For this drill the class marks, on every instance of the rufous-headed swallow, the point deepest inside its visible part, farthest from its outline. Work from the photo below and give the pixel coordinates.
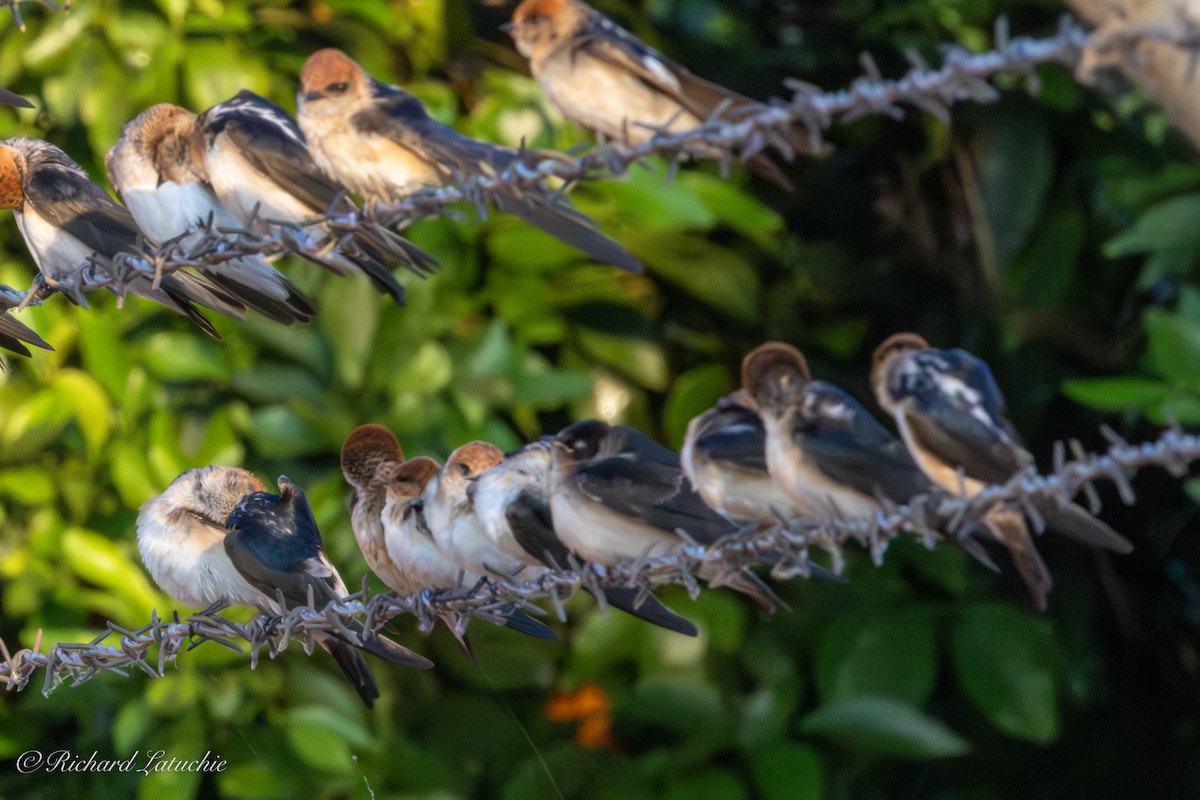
(390, 528)
(14, 334)
(512, 505)
(616, 494)
(152, 169)
(607, 80)
(183, 536)
(824, 449)
(260, 167)
(380, 141)
(67, 221)
(954, 420)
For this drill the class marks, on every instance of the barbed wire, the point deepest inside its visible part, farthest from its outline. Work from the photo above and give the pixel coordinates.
(963, 75)
(14, 6)
(786, 547)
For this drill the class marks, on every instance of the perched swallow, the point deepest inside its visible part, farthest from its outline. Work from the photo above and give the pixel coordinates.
(954, 420)
(616, 494)
(151, 166)
(14, 335)
(512, 503)
(390, 528)
(609, 81)
(67, 220)
(184, 537)
(14, 100)
(824, 449)
(260, 167)
(725, 458)
(379, 141)
(274, 543)
(450, 512)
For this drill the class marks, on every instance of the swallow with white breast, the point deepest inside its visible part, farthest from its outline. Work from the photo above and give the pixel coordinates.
(390, 528)
(379, 140)
(609, 81)
(512, 505)
(616, 494)
(825, 450)
(152, 169)
(954, 420)
(260, 167)
(67, 221)
(14, 334)
(184, 539)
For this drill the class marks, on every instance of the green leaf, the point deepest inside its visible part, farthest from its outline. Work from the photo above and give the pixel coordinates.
(93, 411)
(873, 651)
(1014, 197)
(1169, 225)
(786, 771)
(1004, 660)
(184, 356)
(886, 726)
(1117, 394)
(691, 394)
(1172, 346)
(714, 784)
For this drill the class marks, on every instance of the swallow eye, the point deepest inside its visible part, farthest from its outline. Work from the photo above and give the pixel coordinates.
(337, 88)
(463, 469)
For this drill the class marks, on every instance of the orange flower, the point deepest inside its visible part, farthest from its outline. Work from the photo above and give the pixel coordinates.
(591, 707)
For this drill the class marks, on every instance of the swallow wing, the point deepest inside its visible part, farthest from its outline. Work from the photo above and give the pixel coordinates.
(69, 200)
(734, 435)
(959, 414)
(269, 141)
(848, 445)
(529, 519)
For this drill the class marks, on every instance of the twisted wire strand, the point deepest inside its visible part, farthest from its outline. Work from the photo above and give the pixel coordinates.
(787, 546)
(726, 137)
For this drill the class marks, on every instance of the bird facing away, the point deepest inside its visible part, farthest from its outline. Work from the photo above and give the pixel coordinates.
(380, 141)
(152, 169)
(215, 536)
(259, 165)
(953, 418)
(14, 334)
(609, 81)
(67, 221)
(616, 494)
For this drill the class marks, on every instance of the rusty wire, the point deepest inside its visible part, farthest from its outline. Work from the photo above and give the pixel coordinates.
(787, 546)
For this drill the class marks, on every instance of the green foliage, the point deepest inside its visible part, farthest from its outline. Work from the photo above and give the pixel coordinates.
(1052, 234)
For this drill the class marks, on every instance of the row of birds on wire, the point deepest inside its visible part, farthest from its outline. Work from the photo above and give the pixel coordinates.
(784, 446)
(246, 166)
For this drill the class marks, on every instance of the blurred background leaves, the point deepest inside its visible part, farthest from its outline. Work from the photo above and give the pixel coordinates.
(1053, 233)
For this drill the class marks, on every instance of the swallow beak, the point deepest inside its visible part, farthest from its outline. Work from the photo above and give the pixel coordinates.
(508, 28)
(309, 97)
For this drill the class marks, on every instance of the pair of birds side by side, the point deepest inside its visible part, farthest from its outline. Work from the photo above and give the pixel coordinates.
(786, 446)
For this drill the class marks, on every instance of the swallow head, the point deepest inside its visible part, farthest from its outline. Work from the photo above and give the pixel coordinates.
(155, 147)
(11, 193)
(773, 374)
(887, 357)
(366, 449)
(410, 478)
(536, 26)
(471, 460)
(208, 495)
(328, 81)
(583, 440)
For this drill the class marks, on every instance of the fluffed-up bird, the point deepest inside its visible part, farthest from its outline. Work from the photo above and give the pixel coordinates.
(824, 449)
(260, 167)
(607, 80)
(379, 140)
(616, 494)
(725, 457)
(215, 536)
(152, 169)
(511, 502)
(14, 334)
(954, 420)
(67, 221)
(390, 527)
